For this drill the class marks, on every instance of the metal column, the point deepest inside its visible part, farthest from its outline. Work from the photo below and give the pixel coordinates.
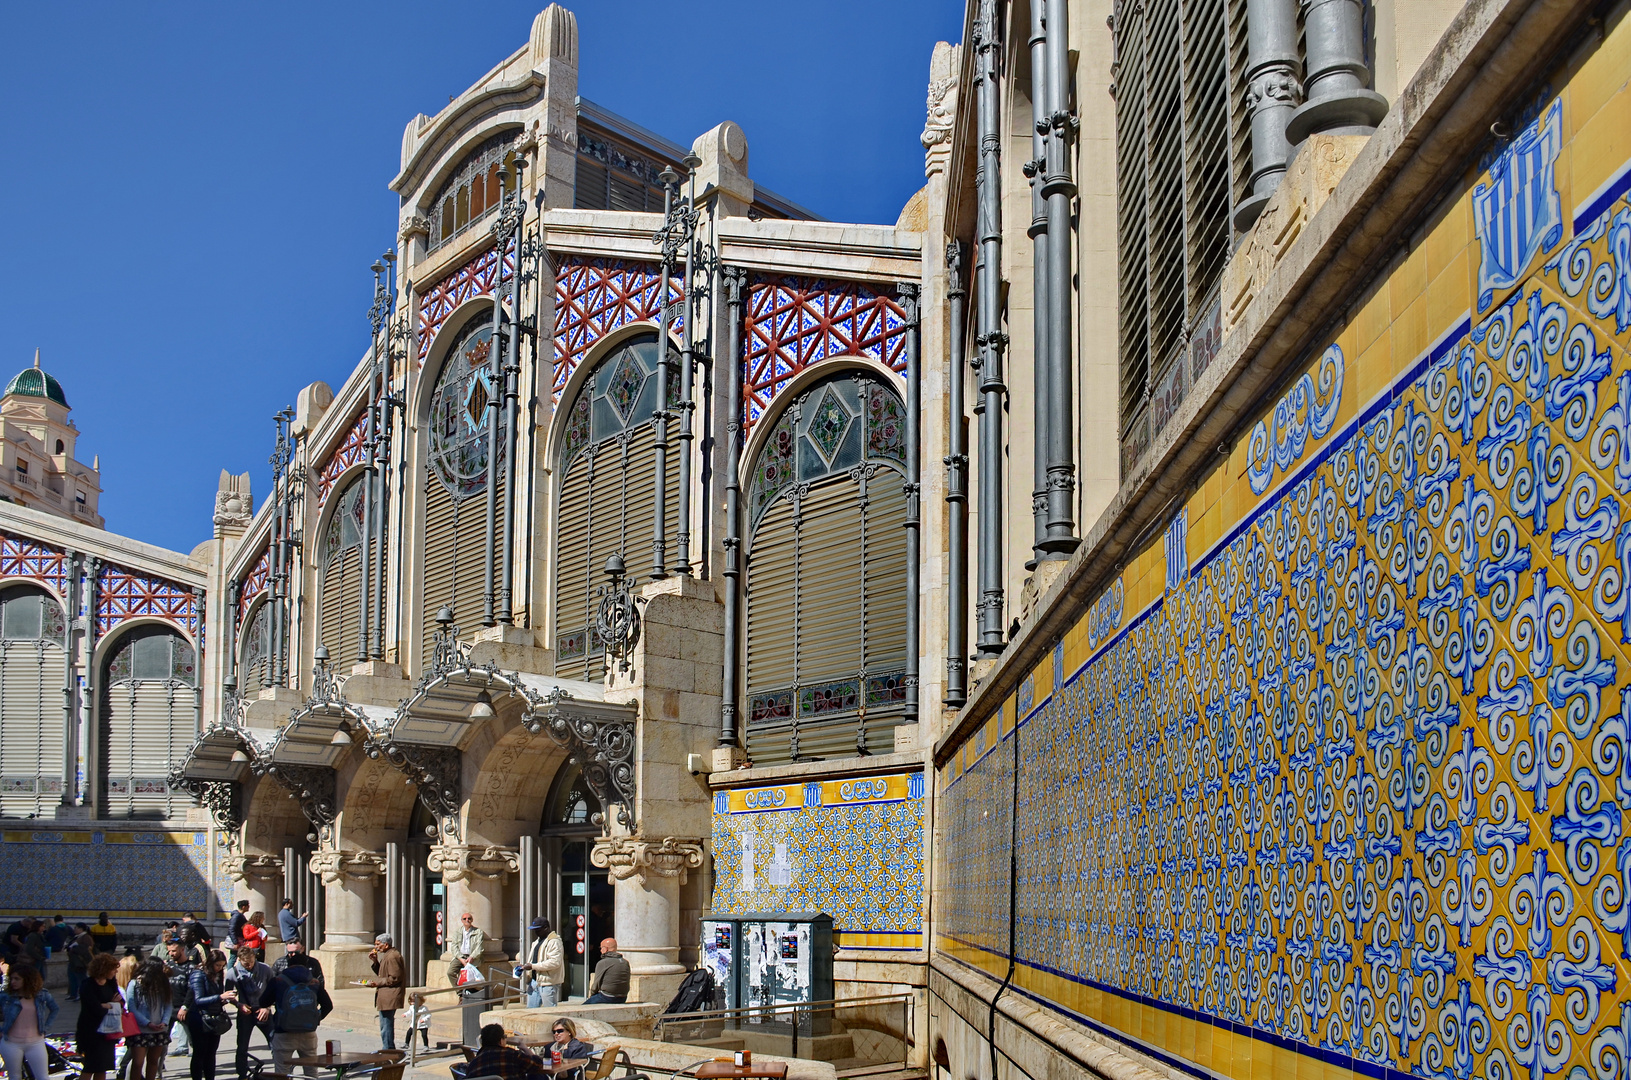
(1038, 232)
(1272, 92)
(956, 489)
(1059, 189)
(1339, 99)
(908, 294)
(735, 283)
(991, 340)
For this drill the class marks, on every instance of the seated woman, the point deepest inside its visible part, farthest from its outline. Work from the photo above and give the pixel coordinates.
(566, 1040)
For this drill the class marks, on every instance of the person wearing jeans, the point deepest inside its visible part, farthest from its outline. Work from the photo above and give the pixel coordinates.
(26, 1013)
(390, 987)
(248, 979)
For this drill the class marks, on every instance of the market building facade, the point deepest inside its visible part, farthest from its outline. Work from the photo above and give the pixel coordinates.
(1162, 597)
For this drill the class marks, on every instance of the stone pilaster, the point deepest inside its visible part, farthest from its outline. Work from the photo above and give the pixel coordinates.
(349, 879)
(474, 876)
(647, 874)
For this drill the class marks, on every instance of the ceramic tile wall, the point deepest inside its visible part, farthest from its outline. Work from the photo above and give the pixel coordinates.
(851, 848)
(141, 873)
(1346, 793)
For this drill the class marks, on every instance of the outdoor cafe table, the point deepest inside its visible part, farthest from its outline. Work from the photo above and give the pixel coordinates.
(726, 1070)
(341, 1062)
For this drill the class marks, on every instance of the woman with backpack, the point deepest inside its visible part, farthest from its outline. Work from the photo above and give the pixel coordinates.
(207, 1021)
(155, 1006)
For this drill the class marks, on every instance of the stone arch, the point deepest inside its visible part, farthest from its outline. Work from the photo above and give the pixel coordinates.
(510, 770)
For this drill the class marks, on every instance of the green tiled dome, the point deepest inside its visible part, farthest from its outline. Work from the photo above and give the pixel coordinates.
(32, 382)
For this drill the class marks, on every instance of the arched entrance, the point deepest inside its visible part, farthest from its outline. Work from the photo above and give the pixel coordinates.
(577, 893)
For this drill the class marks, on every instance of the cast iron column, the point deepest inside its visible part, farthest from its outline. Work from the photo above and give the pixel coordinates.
(1038, 232)
(511, 388)
(1339, 102)
(908, 294)
(1059, 189)
(659, 415)
(736, 280)
(689, 216)
(1272, 92)
(991, 341)
(956, 490)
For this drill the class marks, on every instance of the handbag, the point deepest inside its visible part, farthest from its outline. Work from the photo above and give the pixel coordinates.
(217, 1022)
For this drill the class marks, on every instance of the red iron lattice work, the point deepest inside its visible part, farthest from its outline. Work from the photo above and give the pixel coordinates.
(127, 594)
(792, 323)
(593, 297)
(342, 457)
(28, 559)
(255, 582)
(474, 278)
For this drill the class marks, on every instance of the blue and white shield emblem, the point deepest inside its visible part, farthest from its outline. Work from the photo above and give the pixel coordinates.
(1518, 214)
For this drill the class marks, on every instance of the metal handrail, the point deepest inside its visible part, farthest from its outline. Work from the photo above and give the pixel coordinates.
(760, 1010)
(417, 994)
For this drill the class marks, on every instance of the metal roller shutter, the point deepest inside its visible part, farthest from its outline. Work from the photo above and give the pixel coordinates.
(340, 605)
(455, 557)
(830, 622)
(772, 656)
(31, 726)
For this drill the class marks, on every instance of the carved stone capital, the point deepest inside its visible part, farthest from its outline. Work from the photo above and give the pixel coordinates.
(337, 866)
(461, 862)
(253, 867)
(415, 225)
(637, 857)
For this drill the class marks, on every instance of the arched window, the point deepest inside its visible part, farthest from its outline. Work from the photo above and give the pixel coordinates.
(255, 660)
(455, 520)
(340, 572)
(150, 709)
(473, 189)
(33, 665)
(826, 572)
(572, 806)
(607, 466)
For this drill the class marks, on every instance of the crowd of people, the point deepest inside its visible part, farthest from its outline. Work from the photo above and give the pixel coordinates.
(181, 996)
(184, 995)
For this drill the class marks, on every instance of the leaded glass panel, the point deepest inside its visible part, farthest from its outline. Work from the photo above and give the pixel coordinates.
(27, 615)
(459, 416)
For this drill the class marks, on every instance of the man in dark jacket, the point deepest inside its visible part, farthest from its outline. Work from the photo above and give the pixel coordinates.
(610, 984)
(298, 1007)
(390, 987)
(297, 955)
(249, 978)
(235, 929)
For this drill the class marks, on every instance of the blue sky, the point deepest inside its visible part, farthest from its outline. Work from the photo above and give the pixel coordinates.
(193, 192)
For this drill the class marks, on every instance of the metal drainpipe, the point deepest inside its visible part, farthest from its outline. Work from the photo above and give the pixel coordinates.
(495, 397)
(736, 280)
(991, 340)
(1059, 189)
(908, 294)
(956, 491)
(1038, 232)
(1338, 101)
(70, 737)
(687, 375)
(1272, 92)
(511, 386)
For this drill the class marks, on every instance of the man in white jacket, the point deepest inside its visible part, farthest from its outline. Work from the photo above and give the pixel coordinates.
(543, 968)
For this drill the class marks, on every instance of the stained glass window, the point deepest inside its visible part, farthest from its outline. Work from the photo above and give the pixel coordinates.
(255, 666)
(459, 416)
(826, 573)
(608, 480)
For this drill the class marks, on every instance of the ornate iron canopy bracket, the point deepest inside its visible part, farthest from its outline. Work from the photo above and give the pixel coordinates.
(433, 771)
(222, 798)
(602, 745)
(313, 786)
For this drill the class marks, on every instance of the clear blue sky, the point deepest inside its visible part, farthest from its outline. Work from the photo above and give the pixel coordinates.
(193, 192)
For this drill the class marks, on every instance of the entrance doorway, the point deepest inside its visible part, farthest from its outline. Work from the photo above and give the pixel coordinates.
(584, 897)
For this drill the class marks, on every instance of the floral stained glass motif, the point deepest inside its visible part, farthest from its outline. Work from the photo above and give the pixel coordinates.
(838, 423)
(459, 416)
(623, 389)
(344, 526)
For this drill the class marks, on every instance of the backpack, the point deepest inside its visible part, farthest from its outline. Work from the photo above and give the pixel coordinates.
(695, 994)
(298, 1009)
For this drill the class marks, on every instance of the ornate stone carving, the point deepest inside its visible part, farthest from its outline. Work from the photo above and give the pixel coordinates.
(233, 505)
(459, 862)
(253, 867)
(637, 857)
(336, 866)
(942, 109)
(414, 225)
(603, 746)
